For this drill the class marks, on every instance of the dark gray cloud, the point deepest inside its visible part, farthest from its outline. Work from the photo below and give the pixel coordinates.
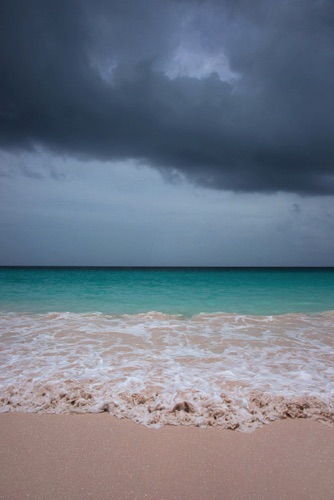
(92, 79)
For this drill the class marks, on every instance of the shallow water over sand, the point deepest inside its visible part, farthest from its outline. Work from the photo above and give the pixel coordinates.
(228, 370)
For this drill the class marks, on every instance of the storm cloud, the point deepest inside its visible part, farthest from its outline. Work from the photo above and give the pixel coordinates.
(233, 95)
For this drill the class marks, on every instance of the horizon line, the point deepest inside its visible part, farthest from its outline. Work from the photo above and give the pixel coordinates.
(20, 266)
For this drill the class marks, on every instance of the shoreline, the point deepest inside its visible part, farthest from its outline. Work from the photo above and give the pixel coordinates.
(99, 456)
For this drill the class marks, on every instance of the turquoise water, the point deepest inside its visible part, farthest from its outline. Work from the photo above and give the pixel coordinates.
(133, 342)
(185, 291)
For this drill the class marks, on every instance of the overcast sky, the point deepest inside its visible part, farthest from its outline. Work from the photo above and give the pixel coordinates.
(167, 132)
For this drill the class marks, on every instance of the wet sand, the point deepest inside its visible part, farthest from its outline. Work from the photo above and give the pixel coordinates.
(98, 456)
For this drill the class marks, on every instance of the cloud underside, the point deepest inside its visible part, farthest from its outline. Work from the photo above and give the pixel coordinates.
(91, 80)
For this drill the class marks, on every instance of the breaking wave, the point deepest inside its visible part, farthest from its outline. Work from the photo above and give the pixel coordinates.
(227, 370)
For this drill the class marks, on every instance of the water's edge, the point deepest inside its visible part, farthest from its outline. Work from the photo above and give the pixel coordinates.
(226, 370)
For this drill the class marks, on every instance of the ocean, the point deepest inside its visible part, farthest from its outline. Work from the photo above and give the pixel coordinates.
(229, 347)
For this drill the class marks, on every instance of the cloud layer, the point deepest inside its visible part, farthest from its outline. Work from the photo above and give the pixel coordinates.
(233, 95)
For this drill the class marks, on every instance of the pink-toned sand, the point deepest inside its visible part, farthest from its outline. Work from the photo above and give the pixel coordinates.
(97, 456)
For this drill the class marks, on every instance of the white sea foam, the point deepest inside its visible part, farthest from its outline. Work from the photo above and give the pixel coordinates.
(228, 370)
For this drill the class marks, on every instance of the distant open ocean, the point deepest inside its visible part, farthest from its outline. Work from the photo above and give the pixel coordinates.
(227, 347)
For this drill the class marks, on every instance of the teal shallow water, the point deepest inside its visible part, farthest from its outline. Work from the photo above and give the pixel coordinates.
(88, 340)
(185, 291)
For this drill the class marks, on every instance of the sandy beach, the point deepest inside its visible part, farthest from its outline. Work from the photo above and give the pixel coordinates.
(98, 456)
